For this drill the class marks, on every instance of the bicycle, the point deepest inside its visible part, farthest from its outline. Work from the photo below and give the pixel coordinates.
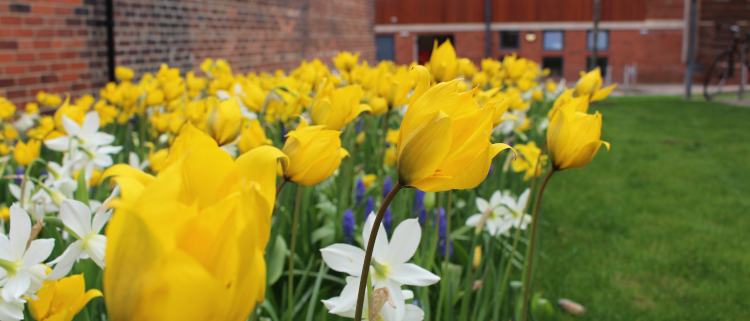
(722, 69)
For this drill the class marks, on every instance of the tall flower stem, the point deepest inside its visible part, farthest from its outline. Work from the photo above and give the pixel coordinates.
(295, 223)
(368, 252)
(532, 243)
(281, 186)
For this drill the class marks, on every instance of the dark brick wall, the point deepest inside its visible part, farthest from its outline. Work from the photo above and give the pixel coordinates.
(60, 45)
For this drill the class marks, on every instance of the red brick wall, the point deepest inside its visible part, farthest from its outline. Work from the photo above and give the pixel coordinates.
(657, 53)
(58, 46)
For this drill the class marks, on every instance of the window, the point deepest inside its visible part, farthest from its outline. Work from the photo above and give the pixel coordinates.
(384, 47)
(509, 39)
(552, 40)
(425, 44)
(602, 40)
(555, 65)
(601, 62)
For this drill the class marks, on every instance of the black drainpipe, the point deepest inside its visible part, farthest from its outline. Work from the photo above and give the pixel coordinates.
(110, 23)
(487, 19)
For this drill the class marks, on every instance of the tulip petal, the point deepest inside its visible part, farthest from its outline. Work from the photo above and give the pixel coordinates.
(259, 165)
(423, 82)
(584, 155)
(424, 150)
(126, 170)
(469, 177)
(603, 93)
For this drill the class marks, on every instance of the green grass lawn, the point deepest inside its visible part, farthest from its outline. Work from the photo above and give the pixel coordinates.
(659, 227)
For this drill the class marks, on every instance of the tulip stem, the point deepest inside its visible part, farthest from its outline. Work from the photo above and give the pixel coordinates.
(278, 188)
(532, 242)
(368, 252)
(295, 223)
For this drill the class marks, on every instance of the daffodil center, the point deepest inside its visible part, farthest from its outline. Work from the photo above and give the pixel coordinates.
(381, 270)
(12, 267)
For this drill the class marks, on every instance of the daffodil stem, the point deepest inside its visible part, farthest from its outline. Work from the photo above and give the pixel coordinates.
(295, 223)
(532, 243)
(368, 252)
(26, 178)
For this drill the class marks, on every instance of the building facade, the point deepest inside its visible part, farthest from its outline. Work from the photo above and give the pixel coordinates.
(644, 39)
(60, 45)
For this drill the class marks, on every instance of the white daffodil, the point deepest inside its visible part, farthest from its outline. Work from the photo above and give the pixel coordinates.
(89, 243)
(135, 162)
(22, 273)
(388, 266)
(516, 216)
(345, 304)
(11, 310)
(507, 126)
(37, 204)
(497, 216)
(506, 213)
(86, 136)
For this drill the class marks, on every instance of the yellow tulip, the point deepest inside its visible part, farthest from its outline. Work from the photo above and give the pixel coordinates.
(379, 106)
(107, 113)
(528, 160)
(5, 213)
(360, 138)
(173, 89)
(10, 133)
(537, 95)
(477, 257)
(345, 61)
(32, 108)
(394, 88)
(48, 100)
(73, 112)
(590, 84)
(369, 179)
(157, 159)
(4, 149)
(392, 137)
(223, 123)
(252, 136)
(314, 153)
(335, 108)
(466, 68)
(123, 73)
(550, 86)
(480, 79)
(25, 153)
(390, 156)
(515, 67)
(573, 137)
(491, 66)
(253, 96)
(188, 244)
(444, 140)
(443, 62)
(7, 108)
(61, 300)
(155, 97)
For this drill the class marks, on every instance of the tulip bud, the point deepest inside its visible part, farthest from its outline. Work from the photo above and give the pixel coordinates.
(429, 201)
(314, 154)
(123, 73)
(444, 140)
(223, 123)
(573, 137)
(252, 136)
(360, 138)
(477, 257)
(25, 153)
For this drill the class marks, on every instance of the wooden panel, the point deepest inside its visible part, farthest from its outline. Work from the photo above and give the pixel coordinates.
(472, 11)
